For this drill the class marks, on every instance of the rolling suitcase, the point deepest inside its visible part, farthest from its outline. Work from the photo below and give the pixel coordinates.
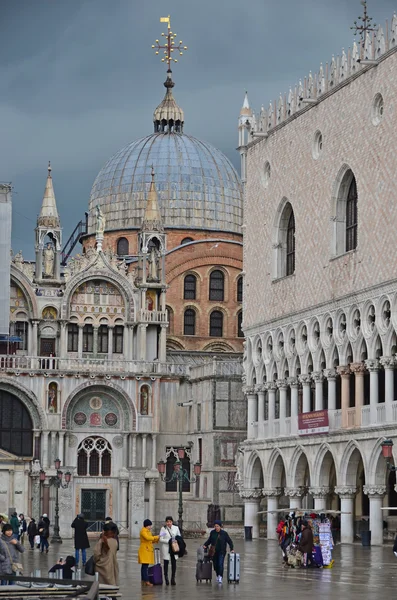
(156, 571)
(233, 568)
(204, 570)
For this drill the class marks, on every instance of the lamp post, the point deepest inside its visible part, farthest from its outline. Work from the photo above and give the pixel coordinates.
(180, 475)
(57, 482)
(387, 453)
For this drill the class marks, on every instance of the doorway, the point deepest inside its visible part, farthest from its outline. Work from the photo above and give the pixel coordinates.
(47, 347)
(93, 506)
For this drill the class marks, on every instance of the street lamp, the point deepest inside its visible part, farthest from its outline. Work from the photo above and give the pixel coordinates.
(180, 475)
(57, 482)
(387, 453)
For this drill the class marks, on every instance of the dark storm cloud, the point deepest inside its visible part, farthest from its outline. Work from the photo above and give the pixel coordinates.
(79, 80)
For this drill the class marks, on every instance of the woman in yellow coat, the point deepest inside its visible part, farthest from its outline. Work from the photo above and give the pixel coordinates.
(146, 550)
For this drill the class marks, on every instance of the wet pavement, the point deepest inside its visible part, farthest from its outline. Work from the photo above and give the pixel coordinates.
(358, 573)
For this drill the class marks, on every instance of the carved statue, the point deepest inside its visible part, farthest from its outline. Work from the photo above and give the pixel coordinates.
(153, 264)
(100, 221)
(239, 463)
(49, 257)
(18, 259)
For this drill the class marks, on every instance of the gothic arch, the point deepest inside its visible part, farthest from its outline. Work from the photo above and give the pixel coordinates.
(126, 404)
(28, 399)
(275, 470)
(281, 225)
(340, 192)
(377, 469)
(21, 281)
(322, 466)
(349, 464)
(299, 468)
(254, 472)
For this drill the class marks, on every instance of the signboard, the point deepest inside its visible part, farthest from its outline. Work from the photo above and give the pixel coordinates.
(313, 423)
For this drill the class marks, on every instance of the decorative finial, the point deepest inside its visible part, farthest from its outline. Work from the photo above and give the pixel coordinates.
(170, 44)
(49, 168)
(366, 24)
(152, 174)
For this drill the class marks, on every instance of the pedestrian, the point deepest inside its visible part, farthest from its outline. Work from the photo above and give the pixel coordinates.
(66, 566)
(146, 551)
(80, 538)
(170, 532)
(306, 543)
(109, 521)
(11, 548)
(22, 527)
(32, 532)
(105, 557)
(14, 522)
(44, 532)
(217, 542)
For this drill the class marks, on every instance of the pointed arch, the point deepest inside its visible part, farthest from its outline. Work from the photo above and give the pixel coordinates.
(284, 240)
(323, 463)
(349, 464)
(253, 473)
(299, 468)
(275, 470)
(377, 466)
(344, 212)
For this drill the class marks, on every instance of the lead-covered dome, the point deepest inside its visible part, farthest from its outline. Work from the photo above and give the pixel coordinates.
(198, 187)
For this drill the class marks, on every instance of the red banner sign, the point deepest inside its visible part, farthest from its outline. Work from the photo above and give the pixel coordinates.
(313, 422)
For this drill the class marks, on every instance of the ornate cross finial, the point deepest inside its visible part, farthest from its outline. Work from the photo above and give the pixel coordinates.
(170, 44)
(366, 24)
(49, 168)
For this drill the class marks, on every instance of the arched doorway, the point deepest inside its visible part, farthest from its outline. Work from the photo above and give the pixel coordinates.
(16, 427)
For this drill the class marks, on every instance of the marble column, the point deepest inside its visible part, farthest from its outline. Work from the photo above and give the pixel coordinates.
(305, 380)
(152, 499)
(389, 363)
(294, 385)
(80, 340)
(373, 368)
(347, 495)
(271, 394)
(283, 387)
(272, 496)
(144, 457)
(375, 494)
(124, 502)
(54, 447)
(36, 447)
(62, 351)
(252, 412)
(142, 341)
(318, 379)
(95, 329)
(133, 449)
(125, 449)
(260, 390)
(163, 343)
(45, 450)
(154, 452)
(295, 496)
(61, 446)
(34, 340)
(330, 374)
(251, 499)
(46, 498)
(320, 495)
(344, 372)
(110, 342)
(358, 369)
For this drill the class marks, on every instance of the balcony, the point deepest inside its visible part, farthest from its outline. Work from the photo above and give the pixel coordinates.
(152, 316)
(51, 365)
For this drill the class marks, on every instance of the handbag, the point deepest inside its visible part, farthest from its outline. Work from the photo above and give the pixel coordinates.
(15, 566)
(175, 547)
(211, 549)
(37, 539)
(90, 566)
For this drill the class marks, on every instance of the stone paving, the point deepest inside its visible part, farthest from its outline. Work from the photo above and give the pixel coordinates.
(359, 573)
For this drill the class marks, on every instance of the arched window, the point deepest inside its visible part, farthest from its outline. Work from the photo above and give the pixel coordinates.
(94, 457)
(123, 248)
(240, 289)
(21, 331)
(351, 217)
(284, 241)
(144, 400)
(16, 428)
(88, 338)
(186, 240)
(52, 397)
(216, 323)
(172, 482)
(290, 266)
(73, 337)
(217, 286)
(103, 339)
(239, 324)
(118, 339)
(189, 322)
(189, 287)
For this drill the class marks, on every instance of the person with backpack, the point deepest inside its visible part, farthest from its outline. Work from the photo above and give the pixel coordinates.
(168, 534)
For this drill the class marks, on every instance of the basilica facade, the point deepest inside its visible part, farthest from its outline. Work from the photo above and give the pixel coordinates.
(320, 292)
(121, 354)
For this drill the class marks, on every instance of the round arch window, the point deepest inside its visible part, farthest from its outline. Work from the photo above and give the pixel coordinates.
(378, 108)
(16, 428)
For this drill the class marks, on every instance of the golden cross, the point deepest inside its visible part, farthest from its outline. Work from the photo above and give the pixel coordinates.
(366, 25)
(170, 45)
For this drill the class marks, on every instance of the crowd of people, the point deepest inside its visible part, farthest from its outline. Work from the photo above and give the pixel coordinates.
(305, 540)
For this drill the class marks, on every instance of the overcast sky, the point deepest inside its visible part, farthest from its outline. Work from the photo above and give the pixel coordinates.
(79, 80)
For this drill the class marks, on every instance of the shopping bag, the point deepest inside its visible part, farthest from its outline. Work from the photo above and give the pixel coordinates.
(37, 539)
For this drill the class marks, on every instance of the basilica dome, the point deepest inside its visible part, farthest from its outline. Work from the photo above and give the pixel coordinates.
(198, 187)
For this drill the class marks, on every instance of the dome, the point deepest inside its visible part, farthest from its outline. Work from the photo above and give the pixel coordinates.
(198, 187)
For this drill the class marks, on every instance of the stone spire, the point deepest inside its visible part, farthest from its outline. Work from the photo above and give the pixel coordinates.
(48, 216)
(246, 109)
(168, 116)
(152, 220)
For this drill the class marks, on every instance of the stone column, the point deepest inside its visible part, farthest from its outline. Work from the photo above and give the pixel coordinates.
(344, 372)
(272, 496)
(347, 495)
(305, 380)
(282, 386)
(252, 499)
(61, 446)
(54, 447)
(260, 390)
(163, 343)
(295, 496)
(36, 447)
(318, 378)
(35, 478)
(271, 394)
(136, 502)
(124, 502)
(110, 342)
(358, 369)
(152, 499)
(133, 449)
(142, 341)
(320, 495)
(330, 374)
(294, 385)
(154, 452)
(389, 363)
(62, 351)
(46, 498)
(125, 449)
(45, 450)
(252, 411)
(95, 340)
(34, 340)
(80, 340)
(375, 494)
(144, 457)
(373, 368)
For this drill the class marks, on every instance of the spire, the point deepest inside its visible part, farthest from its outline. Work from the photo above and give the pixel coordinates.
(245, 109)
(48, 216)
(168, 116)
(152, 218)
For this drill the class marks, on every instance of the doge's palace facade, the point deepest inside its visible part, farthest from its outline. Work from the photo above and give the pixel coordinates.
(320, 291)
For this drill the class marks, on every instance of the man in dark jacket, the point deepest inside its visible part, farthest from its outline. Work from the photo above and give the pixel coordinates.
(218, 540)
(306, 543)
(14, 522)
(80, 538)
(43, 528)
(32, 532)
